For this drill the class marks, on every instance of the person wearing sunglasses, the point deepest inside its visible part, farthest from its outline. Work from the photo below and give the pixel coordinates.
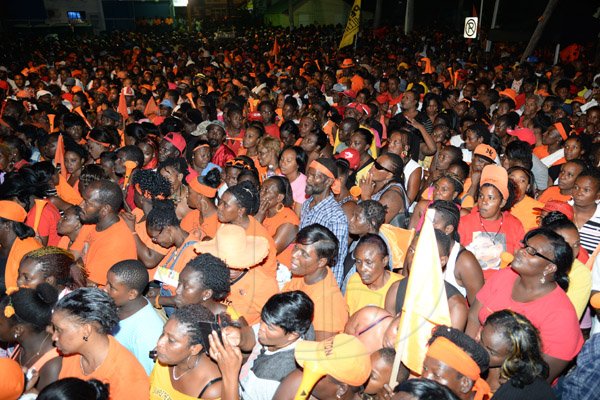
(535, 286)
(384, 184)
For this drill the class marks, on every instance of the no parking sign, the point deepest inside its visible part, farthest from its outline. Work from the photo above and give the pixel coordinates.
(470, 28)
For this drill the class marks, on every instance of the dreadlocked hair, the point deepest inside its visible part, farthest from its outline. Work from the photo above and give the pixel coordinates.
(152, 182)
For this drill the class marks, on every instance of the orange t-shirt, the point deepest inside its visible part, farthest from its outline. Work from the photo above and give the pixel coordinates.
(190, 221)
(120, 369)
(17, 251)
(250, 292)
(105, 248)
(541, 152)
(553, 193)
(331, 310)
(67, 192)
(286, 215)
(524, 211)
(64, 242)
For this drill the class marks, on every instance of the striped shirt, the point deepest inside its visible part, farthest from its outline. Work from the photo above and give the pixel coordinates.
(590, 232)
(329, 214)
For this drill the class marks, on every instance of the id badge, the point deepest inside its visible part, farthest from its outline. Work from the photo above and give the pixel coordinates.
(167, 276)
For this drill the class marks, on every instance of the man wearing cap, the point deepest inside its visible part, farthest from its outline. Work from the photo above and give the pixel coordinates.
(456, 361)
(347, 67)
(165, 108)
(110, 118)
(322, 208)
(221, 153)
(172, 146)
(105, 238)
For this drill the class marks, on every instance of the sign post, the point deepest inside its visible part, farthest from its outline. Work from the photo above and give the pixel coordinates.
(470, 31)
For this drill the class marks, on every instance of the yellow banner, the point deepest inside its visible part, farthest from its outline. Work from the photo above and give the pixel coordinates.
(351, 25)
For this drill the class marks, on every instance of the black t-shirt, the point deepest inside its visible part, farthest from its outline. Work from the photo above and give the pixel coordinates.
(539, 389)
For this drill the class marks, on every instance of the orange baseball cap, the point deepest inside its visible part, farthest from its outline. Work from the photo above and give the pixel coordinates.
(555, 205)
(497, 177)
(342, 356)
(485, 150)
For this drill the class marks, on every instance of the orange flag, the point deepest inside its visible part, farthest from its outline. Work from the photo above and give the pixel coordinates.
(276, 48)
(79, 112)
(122, 108)
(39, 207)
(59, 156)
(190, 97)
(425, 304)
(151, 108)
(51, 118)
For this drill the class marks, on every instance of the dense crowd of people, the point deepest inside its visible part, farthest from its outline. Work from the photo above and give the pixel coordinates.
(185, 218)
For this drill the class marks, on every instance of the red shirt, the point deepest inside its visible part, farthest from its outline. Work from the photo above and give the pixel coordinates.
(553, 314)
(222, 155)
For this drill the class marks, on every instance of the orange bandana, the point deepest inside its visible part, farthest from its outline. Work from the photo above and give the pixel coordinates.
(91, 139)
(204, 190)
(336, 187)
(450, 354)
(12, 211)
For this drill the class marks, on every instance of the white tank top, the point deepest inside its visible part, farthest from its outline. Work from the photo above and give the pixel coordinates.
(451, 266)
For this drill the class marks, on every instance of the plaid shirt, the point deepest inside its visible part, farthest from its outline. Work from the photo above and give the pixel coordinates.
(582, 382)
(329, 214)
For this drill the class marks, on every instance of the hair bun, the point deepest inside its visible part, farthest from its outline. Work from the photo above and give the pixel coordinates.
(47, 293)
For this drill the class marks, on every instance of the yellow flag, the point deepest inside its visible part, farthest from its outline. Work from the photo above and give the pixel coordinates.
(425, 305)
(351, 25)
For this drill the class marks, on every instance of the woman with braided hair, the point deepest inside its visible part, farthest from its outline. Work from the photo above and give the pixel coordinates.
(51, 265)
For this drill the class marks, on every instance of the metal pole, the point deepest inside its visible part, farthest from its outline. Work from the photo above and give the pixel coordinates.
(488, 45)
(409, 16)
(480, 17)
(556, 53)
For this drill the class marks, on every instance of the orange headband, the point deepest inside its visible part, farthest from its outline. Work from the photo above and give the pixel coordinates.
(91, 139)
(204, 190)
(450, 354)
(336, 187)
(12, 211)
(561, 129)
(201, 145)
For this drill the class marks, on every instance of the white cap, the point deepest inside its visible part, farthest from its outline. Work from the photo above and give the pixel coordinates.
(41, 93)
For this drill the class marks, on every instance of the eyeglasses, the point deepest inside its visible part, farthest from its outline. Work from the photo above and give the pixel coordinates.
(380, 167)
(534, 253)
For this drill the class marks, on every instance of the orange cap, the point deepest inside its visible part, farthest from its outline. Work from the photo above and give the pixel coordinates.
(485, 150)
(12, 211)
(496, 176)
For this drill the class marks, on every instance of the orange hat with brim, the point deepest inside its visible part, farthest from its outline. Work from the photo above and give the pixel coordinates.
(232, 245)
(12, 211)
(510, 93)
(497, 177)
(342, 356)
